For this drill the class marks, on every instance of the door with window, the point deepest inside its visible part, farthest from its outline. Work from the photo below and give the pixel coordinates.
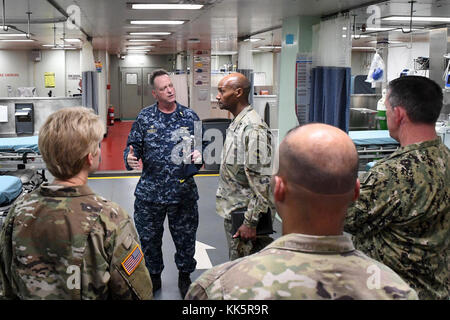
(135, 91)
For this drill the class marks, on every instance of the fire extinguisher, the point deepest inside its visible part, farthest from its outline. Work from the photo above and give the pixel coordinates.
(111, 116)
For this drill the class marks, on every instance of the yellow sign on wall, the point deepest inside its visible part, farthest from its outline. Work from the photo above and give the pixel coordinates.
(49, 79)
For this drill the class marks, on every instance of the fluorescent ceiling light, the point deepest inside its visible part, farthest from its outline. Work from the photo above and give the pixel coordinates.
(57, 45)
(165, 6)
(16, 40)
(252, 39)
(149, 33)
(269, 47)
(357, 36)
(139, 47)
(223, 53)
(417, 19)
(363, 48)
(13, 34)
(144, 40)
(72, 40)
(157, 21)
(63, 48)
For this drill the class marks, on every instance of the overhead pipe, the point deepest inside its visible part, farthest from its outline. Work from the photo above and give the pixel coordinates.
(354, 28)
(398, 28)
(4, 26)
(28, 24)
(35, 21)
(65, 14)
(54, 35)
(363, 5)
(247, 36)
(410, 18)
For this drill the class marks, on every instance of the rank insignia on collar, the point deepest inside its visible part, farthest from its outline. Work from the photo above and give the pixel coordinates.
(132, 261)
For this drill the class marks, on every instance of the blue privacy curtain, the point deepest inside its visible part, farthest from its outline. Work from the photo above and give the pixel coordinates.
(89, 97)
(330, 96)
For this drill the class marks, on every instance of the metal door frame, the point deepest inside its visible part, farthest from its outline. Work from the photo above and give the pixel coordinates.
(121, 69)
(141, 85)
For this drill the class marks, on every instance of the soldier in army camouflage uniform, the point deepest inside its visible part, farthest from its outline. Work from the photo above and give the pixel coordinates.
(62, 241)
(314, 259)
(164, 187)
(243, 184)
(402, 217)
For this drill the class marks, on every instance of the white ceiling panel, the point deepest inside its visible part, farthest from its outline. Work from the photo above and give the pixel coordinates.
(217, 25)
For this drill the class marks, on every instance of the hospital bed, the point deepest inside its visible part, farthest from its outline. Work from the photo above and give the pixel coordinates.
(22, 169)
(20, 153)
(372, 145)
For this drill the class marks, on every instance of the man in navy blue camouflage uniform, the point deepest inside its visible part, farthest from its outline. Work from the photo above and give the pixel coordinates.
(164, 187)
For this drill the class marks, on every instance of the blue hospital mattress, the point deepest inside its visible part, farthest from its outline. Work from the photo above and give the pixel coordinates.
(372, 137)
(10, 189)
(19, 144)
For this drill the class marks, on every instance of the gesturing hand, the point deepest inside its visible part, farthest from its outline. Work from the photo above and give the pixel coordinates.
(133, 162)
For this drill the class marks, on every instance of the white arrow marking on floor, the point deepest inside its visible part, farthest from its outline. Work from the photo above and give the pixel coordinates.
(201, 256)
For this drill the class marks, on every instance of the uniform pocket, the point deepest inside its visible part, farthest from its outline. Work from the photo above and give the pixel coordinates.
(237, 171)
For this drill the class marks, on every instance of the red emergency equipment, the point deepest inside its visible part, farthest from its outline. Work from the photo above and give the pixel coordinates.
(111, 116)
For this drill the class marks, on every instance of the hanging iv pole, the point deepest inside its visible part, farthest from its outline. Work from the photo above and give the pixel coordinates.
(28, 24)
(54, 35)
(354, 28)
(4, 26)
(410, 18)
(398, 28)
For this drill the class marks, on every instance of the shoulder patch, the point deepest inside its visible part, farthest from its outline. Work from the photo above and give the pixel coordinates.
(132, 261)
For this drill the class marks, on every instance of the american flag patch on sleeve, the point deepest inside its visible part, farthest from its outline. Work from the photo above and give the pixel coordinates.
(132, 261)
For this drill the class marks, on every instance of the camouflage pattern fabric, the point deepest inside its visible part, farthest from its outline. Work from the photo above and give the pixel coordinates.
(402, 216)
(153, 136)
(69, 243)
(298, 266)
(183, 223)
(238, 248)
(245, 174)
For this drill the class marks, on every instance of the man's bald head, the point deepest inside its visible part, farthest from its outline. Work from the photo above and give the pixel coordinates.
(319, 157)
(237, 80)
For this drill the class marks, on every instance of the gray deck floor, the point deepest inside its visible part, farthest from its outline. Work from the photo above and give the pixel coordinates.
(210, 231)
